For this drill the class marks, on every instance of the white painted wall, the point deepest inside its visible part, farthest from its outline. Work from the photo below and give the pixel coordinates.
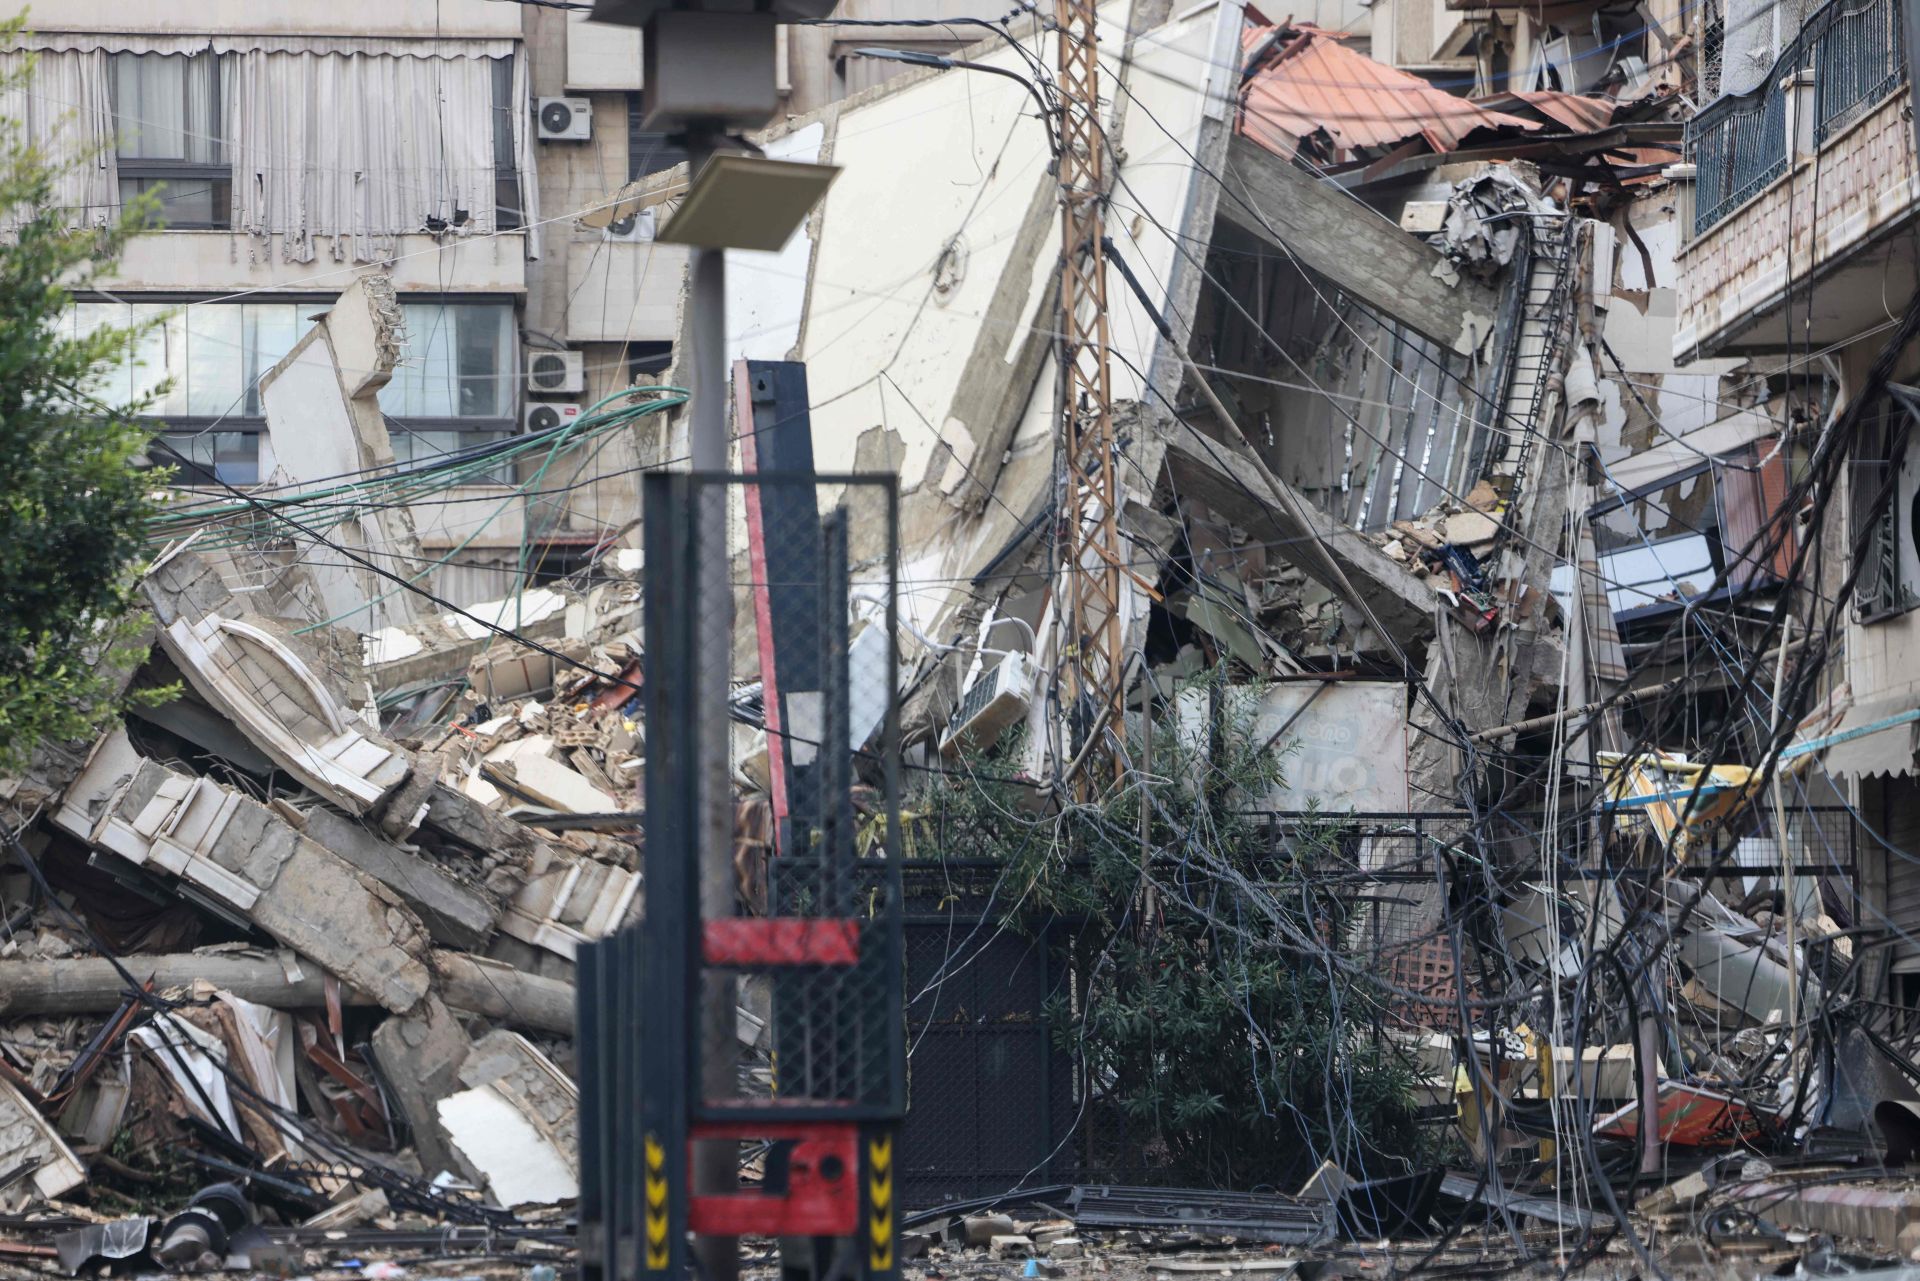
(221, 262)
(618, 291)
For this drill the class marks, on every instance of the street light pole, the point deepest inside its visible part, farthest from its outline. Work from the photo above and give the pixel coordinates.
(716, 1163)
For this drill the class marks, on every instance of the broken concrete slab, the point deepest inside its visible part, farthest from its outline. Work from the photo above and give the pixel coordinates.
(1879, 1215)
(570, 899)
(527, 767)
(1229, 483)
(321, 403)
(246, 856)
(1352, 246)
(455, 913)
(420, 1057)
(92, 985)
(516, 1124)
(261, 680)
(28, 1139)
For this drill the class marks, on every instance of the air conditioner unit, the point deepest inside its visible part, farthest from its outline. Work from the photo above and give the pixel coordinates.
(634, 226)
(556, 373)
(544, 416)
(1906, 521)
(990, 706)
(563, 119)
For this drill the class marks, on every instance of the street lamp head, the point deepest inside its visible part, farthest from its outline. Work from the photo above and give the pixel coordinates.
(914, 57)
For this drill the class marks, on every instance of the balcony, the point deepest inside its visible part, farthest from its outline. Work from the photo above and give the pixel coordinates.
(1799, 187)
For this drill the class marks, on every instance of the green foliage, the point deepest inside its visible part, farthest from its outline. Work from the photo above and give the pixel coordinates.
(72, 504)
(1218, 1018)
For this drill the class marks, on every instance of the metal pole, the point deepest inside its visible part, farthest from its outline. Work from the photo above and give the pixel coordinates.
(1790, 908)
(716, 1164)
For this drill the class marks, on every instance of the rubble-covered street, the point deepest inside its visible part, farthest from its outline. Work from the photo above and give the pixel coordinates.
(913, 640)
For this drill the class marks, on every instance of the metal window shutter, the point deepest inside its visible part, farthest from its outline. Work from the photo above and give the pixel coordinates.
(1902, 830)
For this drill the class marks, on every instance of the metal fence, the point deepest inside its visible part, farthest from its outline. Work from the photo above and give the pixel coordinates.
(1854, 51)
(990, 1097)
(997, 1101)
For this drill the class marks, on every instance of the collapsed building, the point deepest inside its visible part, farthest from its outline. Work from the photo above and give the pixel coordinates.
(1454, 432)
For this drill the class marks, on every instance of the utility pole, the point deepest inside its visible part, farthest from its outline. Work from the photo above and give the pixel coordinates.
(1092, 631)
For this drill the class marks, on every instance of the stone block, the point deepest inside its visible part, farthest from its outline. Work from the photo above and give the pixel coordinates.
(420, 1056)
(1010, 1245)
(455, 913)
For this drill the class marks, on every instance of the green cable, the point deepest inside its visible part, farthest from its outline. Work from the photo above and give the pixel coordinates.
(420, 483)
(410, 484)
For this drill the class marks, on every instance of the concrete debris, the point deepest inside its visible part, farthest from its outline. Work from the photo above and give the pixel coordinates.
(513, 1128)
(32, 1148)
(1465, 497)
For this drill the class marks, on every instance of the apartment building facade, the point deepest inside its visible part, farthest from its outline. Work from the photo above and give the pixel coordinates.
(448, 143)
(1801, 261)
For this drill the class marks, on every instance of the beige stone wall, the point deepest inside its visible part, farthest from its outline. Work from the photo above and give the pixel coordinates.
(1866, 180)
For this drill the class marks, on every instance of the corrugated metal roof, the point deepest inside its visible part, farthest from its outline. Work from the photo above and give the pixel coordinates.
(1316, 83)
(1578, 112)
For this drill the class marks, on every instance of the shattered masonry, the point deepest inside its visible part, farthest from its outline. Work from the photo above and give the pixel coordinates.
(1512, 410)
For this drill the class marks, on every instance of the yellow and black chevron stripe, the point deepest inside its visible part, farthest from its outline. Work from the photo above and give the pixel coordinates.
(656, 1252)
(880, 1203)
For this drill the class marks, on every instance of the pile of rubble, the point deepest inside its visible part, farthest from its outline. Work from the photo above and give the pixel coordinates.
(305, 985)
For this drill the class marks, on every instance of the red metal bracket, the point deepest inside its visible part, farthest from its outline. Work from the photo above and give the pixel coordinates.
(822, 1175)
(745, 942)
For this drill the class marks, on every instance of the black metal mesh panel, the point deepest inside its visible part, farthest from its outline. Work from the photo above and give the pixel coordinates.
(826, 694)
(990, 1091)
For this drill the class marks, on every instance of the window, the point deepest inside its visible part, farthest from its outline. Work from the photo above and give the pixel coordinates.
(506, 177)
(648, 360)
(1757, 536)
(648, 152)
(454, 389)
(458, 363)
(167, 112)
(211, 358)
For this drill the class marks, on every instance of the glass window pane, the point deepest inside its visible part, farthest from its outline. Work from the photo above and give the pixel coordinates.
(115, 385)
(485, 360)
(270, 329)
(167, 106)
(159, 356)
(185, 200)
(458, 362)
(216, 381)
(236, 457)
(190, 454)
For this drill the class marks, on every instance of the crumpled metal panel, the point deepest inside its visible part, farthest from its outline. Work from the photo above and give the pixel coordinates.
(1317, 83)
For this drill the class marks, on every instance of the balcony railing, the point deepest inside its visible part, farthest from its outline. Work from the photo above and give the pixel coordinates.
(1855, 54)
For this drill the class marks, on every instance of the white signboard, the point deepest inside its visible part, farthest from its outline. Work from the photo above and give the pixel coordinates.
(1346, 744)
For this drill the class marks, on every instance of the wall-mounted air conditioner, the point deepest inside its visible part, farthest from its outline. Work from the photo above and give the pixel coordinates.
(632, 227)
(545, 416)
(990, 706)
(563, 119)
(555, 373)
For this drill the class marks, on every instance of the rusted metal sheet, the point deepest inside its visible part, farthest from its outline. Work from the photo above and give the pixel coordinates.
(1752, 487)
(1306, 81)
